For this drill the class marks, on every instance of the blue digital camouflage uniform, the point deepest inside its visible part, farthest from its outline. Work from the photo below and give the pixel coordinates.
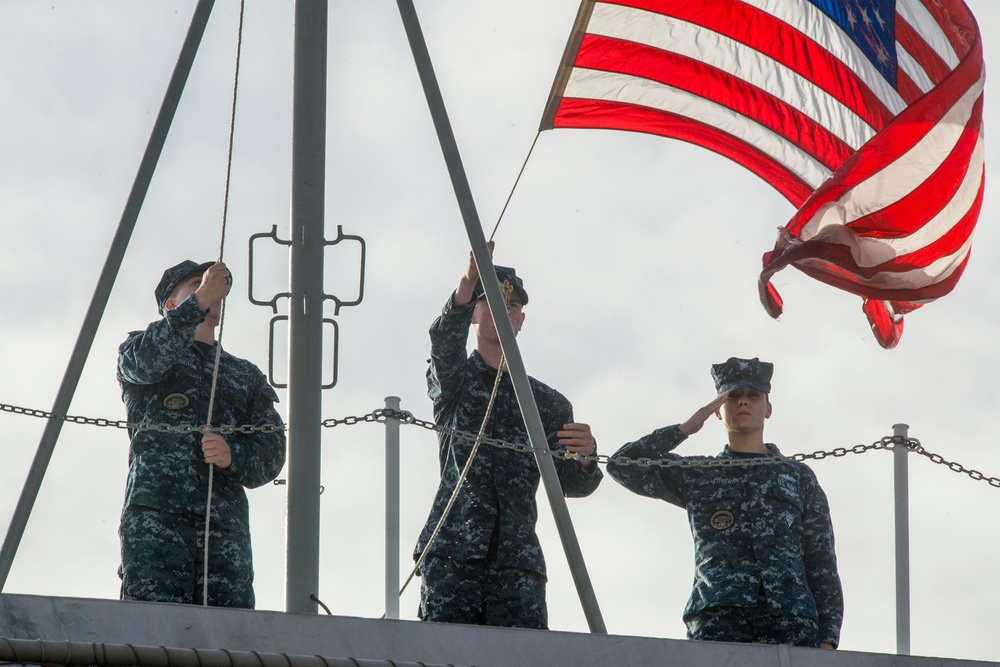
(763, 538)
(166, 378)
(492, 524)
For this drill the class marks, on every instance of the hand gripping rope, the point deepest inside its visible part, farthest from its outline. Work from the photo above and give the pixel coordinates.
(222, 307)
(507, 290)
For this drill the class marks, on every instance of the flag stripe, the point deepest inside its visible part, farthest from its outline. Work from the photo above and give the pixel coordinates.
(866, 257)
(809, 20)
(681, 72)
(871, 123)
(907, 133)
(760, 46)
(944, 188)
(917, 74)
(732, 56)
(933, 67)
(609, 86)
(907, 88)
(947, 25)
(900, 177)
(616, 116)
(928, 25)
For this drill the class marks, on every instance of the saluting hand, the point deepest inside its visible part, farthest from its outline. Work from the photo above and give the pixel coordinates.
(216, 450)
(577, 439)
(698, 419)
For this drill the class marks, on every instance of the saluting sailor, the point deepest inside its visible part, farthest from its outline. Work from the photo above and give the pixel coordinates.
(765, 566)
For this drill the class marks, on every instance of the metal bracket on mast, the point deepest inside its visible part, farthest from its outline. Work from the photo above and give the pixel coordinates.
(273, 302)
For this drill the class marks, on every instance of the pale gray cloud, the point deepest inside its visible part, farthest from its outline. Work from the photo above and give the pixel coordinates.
(641, 256)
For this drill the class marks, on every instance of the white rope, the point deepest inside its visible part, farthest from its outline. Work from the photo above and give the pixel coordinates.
(222, 306)
(461, 480)
(516, 181)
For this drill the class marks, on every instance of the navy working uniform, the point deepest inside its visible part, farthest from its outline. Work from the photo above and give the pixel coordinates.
(486, 566)
(763, 542)
(166, 378)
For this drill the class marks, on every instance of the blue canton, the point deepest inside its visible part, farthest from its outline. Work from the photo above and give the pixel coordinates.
(871, 24)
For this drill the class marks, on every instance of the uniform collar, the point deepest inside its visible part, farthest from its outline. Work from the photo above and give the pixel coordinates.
(480, 364)
(772, 450)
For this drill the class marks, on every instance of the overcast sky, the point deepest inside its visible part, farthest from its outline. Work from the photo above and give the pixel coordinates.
(640, 255)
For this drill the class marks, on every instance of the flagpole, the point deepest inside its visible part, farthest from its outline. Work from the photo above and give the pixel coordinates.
(495, 299)
(566, 64)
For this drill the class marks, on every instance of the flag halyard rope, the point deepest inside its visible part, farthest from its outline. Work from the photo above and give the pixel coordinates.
(222, 305)
(461, 481)
(516, 181)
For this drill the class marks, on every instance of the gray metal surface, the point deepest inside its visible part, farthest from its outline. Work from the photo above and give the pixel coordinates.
(392, 511)
(102, 293)
(100, 654)
(305, 316)
(154, 624)
(902, 510)
(498, 308)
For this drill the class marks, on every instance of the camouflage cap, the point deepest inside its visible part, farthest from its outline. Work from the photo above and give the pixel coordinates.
(736, 373)
(505, 274)
(173, 276)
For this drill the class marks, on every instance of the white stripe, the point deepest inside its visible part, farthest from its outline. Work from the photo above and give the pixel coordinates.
(868, 251)
(737, 60)
(614, 87)
(909, 64)
(914, 13)
(902, 176)
(809, 19)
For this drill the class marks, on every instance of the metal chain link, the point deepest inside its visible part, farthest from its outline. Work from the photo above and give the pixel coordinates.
(405, 417)
(887, 443)
(142, 426)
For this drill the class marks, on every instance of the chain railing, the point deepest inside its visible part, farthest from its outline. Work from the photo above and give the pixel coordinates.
(381, 415)
(141, 426)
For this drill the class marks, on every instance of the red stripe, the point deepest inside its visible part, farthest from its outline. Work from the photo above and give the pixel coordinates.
(617, 116)
(957, 23)
(927, 293)
(697, 78)
(774, 38)
(908, 90)
(926, 200)
(906, 130)
(840, 269)
(950, 242)
(928, 59)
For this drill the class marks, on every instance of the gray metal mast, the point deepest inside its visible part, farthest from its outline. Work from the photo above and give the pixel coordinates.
(901, 486)
(305, 317)
(495, 299)
(102, 293)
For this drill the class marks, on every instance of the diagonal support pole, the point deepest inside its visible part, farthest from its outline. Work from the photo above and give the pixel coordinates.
(102, 292)
(494, 297)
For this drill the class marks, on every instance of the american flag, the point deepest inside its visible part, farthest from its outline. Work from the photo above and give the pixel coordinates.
(867, 115)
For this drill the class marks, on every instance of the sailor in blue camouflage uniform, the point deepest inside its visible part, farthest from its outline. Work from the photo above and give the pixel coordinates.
(165, 373)
(765, 565)
(485, 567)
